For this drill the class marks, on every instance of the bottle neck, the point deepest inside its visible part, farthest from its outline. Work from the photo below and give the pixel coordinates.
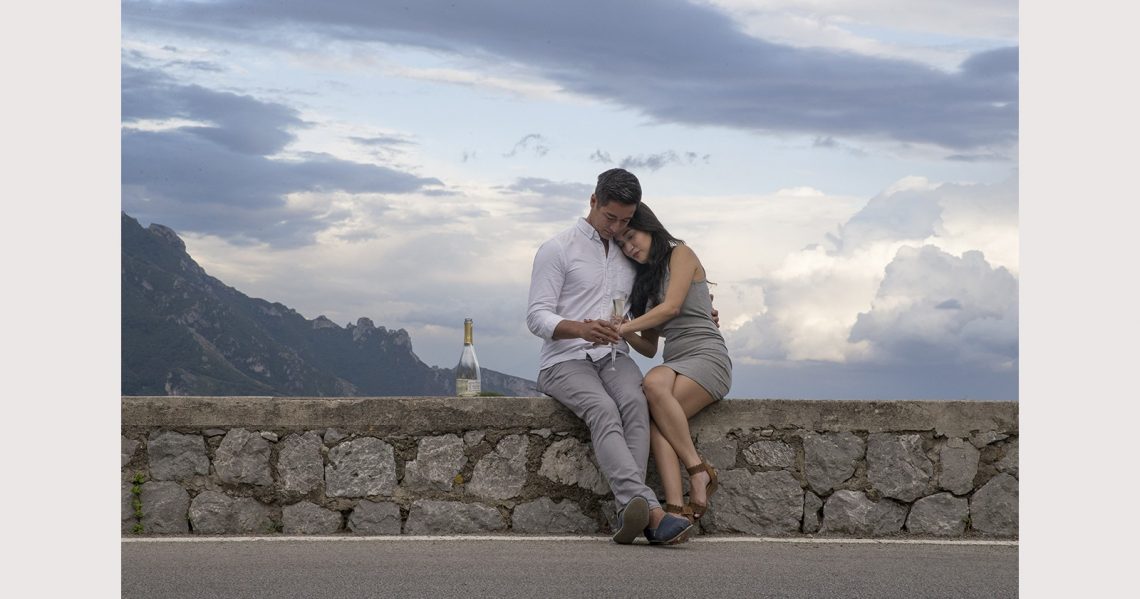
(468, 337)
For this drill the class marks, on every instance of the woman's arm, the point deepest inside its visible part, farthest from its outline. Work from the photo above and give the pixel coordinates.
(645, 342)
(683, 266)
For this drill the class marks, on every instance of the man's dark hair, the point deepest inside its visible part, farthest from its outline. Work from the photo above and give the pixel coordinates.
(618, 184)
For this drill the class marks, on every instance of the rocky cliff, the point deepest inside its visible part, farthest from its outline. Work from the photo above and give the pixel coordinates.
(185, 332)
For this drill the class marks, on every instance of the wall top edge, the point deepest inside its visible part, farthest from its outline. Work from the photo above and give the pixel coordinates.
(432, 415)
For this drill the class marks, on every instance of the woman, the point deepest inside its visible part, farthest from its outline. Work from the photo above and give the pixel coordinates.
(670, 298)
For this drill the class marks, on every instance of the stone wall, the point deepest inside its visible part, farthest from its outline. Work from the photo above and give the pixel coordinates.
(427, 465)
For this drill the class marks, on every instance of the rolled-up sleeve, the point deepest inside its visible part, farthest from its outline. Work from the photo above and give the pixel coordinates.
(546, 278)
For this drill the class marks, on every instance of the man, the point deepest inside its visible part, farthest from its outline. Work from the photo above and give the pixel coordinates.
(574, 278)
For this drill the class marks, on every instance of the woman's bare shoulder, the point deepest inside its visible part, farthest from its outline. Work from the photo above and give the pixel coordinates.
(683, 254)
(684, 257)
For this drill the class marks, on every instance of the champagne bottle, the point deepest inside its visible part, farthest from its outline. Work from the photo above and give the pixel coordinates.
(468, 379)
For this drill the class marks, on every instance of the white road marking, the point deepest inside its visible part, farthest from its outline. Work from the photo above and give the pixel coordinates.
(561, 539)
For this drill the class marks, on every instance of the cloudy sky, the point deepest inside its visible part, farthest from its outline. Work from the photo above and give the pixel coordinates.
(846, 171)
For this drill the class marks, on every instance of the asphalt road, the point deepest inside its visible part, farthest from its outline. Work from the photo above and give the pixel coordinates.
(446, 569)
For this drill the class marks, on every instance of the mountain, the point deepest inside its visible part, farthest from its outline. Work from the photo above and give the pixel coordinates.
(185, 332)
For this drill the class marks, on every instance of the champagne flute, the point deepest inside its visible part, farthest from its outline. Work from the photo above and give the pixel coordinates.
(616, 318)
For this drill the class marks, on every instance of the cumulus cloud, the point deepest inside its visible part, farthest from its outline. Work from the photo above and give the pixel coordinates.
(720, 75)
(384, 147)
(652, 162)
(830, 143)
(660, 160)
(532, 143)
(383, 141)
(223, 173)
(923, 273)
(952, 216)
(936, 308)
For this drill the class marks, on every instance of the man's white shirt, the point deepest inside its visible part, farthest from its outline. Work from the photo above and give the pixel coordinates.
(574, 278)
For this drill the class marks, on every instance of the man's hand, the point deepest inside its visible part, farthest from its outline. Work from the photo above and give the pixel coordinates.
(715, 313)
(598, 332)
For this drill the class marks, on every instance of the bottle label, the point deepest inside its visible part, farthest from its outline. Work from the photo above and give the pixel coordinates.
(467, 387)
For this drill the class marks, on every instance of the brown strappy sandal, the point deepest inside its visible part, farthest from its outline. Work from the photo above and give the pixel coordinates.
(699, 509)
(683, 511)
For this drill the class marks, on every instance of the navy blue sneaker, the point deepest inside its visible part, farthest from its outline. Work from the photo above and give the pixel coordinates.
(671, 531)
(632, 520)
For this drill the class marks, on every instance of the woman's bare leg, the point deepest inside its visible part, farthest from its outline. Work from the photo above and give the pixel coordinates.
(667, 466)
(673, 399)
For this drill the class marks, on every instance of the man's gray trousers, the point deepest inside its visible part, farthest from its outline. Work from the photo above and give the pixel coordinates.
(613, 406)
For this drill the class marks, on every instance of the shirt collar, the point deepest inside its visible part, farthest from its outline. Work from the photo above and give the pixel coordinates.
(587, 229)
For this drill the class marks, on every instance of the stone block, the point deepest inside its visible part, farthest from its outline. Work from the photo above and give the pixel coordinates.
(571, 462)
(897, 467)
(362, 467)
(128, 507)
(452, 517)
(472, 438)
(993, 508)
(941, 515)
(771, 454)
(717, 450)
(959, 466)
(546, 516)
(333, 436)
(251, 516)
(502, 473)
(831, 459)
(243, 458)
(212, 512)
(130, 446)
(853, 513)
(980, 440)
(609, 512)
(766, 503)
(812, 512)
(174, 456)
(1008, 461)
(165, 506)
(375, 518)
(307, 518)
(438, 460)
(300, 466)
(269, 436)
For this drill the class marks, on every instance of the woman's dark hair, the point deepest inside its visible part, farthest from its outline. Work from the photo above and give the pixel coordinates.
(650, 276)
